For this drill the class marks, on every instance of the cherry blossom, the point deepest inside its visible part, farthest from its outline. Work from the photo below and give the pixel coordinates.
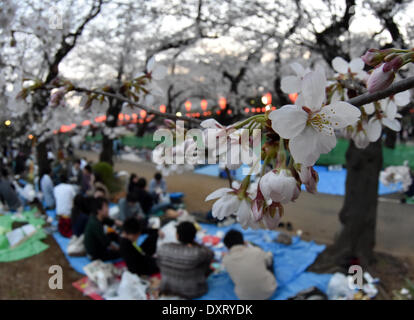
(309, 124)
(355, 67)
(292, 84)
(279, 186)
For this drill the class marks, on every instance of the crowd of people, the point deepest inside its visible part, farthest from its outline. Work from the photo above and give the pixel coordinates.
(82, 205)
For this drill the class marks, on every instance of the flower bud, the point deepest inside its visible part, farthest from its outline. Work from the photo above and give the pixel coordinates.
(374, 57)
(380, 79)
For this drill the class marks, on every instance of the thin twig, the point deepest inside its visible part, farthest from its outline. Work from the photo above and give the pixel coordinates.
(147, 109)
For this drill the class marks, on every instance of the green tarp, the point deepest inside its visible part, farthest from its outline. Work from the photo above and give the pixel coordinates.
(392, 157)
(28, 248)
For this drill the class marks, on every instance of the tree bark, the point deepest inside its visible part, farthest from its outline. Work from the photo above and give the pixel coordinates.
(41, 154)
(356, 240)
(112, 113)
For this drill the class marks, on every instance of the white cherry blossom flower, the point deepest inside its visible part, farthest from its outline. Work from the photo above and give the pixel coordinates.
(355, 67)
(309, 125)
(292, 84)
(228, 202)
(279, 186)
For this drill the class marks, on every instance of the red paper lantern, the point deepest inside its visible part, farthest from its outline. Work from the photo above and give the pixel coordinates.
(267, 99)
(246, 110)
(204, 104)
(163, 108)
(120, 116)
(143, 113)
(293, 97)
(86, 123)
(187, 105)
(222, 103)
(229, 111)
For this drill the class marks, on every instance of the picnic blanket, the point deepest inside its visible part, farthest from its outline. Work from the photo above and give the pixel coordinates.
(330, 181)
(29, 247)
(290, 263)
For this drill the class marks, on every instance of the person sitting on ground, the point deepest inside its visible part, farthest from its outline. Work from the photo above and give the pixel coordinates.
(129, 207)
(80, 215)
(76, 172)
(185, 265)
(64, 194)
(87, 180)
(98, 183)
(8, 194)
(139, 259)
(157, 185)
(46, 186)
(97, 244)
(133, 183)
(248, 267)
(146, 200)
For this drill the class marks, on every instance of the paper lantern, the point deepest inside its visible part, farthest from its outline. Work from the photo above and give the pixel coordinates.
(246, 110)
(267, 99)
(222, 103)
(204, 104)
(187, 105)
(143, 113)
(163, 108)
(293, 97)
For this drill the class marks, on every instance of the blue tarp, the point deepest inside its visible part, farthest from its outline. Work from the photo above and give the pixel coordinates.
(290, 263)
(330, 182)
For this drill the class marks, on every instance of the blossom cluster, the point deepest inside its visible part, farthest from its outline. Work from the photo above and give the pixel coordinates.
(297, 134)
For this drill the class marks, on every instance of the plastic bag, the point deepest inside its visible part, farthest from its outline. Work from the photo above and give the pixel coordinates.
(76, 246)
(132, 287)
(339, 289)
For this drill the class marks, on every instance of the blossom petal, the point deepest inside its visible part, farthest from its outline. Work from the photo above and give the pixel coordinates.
(391, 110)
(356, 65)
(369, 108)
(313, 89)
(340, 65)
(218, 193)
(159, 72)
(288, 121)
(151, 64)
(299, 70)
(374, 129)
(225, 206)
(307, 147)
(402, 98)
(393, 124)
(290, 84)
(341, 114)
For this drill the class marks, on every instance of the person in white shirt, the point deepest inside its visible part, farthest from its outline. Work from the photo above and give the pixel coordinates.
(64, 194)
(250, 268)
(46, 186)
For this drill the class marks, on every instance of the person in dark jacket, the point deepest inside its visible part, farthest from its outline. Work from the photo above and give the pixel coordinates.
(8, 194)
(97, 244)
(80, 214)
(139, 259)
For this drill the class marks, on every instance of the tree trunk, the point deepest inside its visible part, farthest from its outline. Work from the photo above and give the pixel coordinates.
(358, 216)
(112, 113)
(42, 160)
(107, 150)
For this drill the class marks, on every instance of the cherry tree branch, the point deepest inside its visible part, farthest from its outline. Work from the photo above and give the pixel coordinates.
(395, 88)
(133, 103)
